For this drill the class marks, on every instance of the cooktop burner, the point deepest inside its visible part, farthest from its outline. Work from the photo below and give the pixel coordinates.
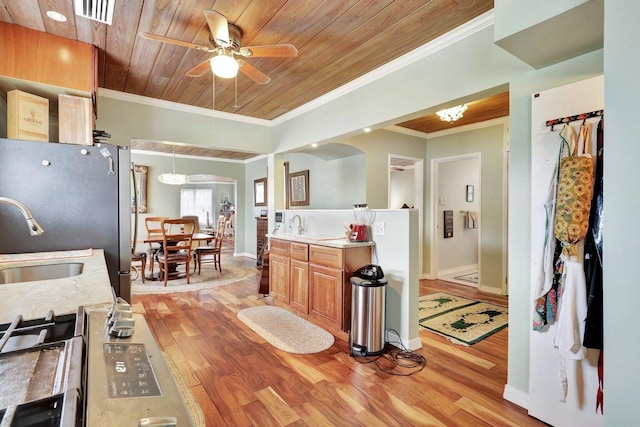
(41, 371)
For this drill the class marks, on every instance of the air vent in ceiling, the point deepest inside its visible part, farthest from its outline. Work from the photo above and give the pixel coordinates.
(98, 10)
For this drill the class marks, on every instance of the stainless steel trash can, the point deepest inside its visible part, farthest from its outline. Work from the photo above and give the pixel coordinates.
(367, 335)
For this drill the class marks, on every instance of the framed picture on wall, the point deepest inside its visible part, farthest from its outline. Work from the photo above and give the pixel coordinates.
(260, 192)
(299, 188)
(469, 193)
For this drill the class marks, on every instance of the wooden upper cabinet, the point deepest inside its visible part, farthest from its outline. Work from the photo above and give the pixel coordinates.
(44, 58)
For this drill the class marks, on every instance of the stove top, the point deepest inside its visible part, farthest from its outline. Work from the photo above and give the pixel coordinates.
(86, 369)
(41, 371)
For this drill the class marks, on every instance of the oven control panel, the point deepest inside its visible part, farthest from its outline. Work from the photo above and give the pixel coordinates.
(128, 379)
(129, 371)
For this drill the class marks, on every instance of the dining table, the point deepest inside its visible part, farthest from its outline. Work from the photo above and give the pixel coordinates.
(199, 237)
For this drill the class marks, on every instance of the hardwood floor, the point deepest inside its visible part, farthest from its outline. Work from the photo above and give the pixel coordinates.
(240, 380)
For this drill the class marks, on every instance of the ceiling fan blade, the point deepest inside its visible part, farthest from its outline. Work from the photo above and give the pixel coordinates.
(219, 27)
(169, 40)
(200, 69)
(253, 73)
(271, 51)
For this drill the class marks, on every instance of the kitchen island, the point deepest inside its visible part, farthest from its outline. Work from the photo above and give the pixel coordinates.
(34, 299)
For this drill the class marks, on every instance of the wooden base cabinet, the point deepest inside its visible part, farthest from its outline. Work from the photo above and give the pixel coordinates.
(314, 280)
(299, 285)
(325, 295)
(279, 277)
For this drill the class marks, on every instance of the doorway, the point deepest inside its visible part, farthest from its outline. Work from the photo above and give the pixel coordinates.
(456, 218)
(406, 185)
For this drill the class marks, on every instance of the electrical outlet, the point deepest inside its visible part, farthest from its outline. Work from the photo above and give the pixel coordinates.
(379, 229)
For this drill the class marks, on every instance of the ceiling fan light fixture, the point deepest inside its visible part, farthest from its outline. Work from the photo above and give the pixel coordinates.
(224, 65)
(452, 114)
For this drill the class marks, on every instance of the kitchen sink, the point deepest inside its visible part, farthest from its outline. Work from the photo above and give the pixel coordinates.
(32, 273)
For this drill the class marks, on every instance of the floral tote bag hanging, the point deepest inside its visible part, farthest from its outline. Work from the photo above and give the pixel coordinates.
(575, 185)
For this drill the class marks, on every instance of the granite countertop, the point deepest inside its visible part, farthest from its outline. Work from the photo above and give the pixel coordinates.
(333, 242)
(35, 299)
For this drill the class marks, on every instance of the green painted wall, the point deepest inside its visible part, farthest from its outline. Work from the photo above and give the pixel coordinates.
(377, 146)
(256, 169)
(127, 120)
(487, 142)
(514, 16)
(621, 175)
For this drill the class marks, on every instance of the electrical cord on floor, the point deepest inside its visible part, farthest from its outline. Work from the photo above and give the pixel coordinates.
(398, 356)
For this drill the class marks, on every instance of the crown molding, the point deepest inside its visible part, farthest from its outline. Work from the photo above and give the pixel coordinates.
(187, 156)
(175, 106)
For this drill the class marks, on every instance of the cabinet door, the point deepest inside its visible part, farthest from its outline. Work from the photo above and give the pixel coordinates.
(325, 294)
(299, 286)
(279, 277)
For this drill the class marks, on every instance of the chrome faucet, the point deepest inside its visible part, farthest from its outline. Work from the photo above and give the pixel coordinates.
(34, 227)
(300, 228)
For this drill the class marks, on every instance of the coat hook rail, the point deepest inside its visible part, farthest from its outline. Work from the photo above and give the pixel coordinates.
(583, 116)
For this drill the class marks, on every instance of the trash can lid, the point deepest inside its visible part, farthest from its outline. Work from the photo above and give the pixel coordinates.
(371, 283)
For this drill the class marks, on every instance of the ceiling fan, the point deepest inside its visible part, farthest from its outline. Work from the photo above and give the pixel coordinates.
(229, 55)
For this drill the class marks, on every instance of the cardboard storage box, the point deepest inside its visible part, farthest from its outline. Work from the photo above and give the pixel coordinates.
(75, 120)
(27, 116)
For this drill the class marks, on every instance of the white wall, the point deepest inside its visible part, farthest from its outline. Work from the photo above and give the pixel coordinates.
(402, 188)
(397, 257)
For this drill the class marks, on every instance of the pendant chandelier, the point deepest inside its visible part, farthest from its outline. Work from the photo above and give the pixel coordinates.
(452, 114)
(174, 178)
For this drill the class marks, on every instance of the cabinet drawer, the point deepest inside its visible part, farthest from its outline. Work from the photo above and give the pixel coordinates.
(300, 251)
(324, 255)
(279, 247)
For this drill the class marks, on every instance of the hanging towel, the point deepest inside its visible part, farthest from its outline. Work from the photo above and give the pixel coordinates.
(571, 319)
(472, 219)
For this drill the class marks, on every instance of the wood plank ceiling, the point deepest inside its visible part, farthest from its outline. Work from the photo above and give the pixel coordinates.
(338, 41)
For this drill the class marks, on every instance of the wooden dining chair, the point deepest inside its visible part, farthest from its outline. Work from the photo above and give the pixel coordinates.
(211, 253)
(153, 224)
(177, 236)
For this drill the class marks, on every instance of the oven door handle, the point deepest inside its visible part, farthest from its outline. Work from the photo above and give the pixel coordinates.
(158, 422)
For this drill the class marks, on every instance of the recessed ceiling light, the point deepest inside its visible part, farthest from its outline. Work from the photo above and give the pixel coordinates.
(367, 130)
(56, 16)
(314, 145)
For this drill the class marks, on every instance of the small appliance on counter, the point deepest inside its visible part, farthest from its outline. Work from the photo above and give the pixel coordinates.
(359, 230)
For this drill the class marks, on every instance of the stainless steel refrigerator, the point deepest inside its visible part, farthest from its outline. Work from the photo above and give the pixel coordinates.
(80, 195)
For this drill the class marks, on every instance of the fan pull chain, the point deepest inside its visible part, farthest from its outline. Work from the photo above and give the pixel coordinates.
(213, 92)
(235, 104)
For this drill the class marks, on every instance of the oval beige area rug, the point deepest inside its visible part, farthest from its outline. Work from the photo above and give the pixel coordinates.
(286, 331)
(209, 278)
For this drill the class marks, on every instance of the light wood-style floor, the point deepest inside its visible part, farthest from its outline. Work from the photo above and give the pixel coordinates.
(240, 380)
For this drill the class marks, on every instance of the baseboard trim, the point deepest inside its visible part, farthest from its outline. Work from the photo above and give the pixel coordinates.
(516, 396)
(491, 290)
(456, 270)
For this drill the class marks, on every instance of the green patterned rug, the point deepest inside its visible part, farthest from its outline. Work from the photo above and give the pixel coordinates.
(462, 320)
